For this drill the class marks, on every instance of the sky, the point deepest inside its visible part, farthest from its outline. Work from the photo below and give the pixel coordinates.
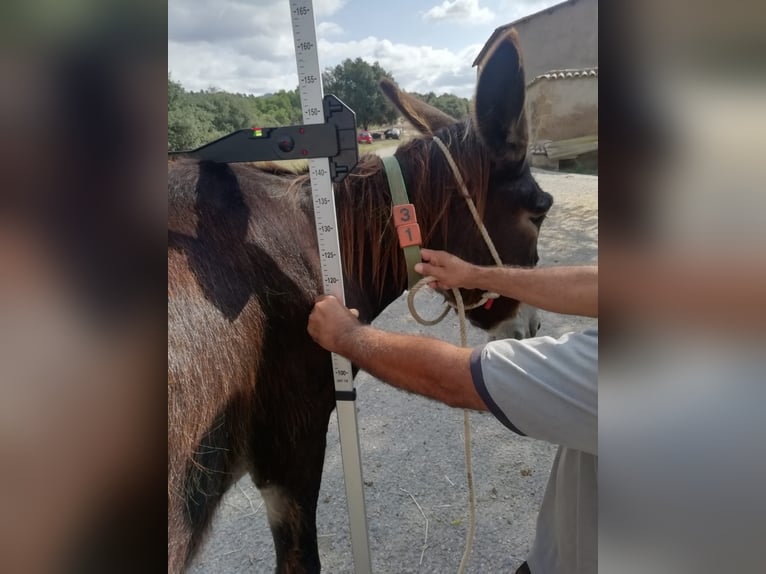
(246, 46)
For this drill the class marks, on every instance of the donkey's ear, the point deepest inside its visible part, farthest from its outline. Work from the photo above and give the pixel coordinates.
(426, 119)
(499, 104)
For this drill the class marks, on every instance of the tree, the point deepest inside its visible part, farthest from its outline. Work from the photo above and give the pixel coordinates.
(227, 112)
(279, 109)
(355, 82)
(183, 126)
(450, 104)
(197, 118)
(175, 93)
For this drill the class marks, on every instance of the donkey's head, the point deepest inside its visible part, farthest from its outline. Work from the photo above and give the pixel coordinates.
(490, 151)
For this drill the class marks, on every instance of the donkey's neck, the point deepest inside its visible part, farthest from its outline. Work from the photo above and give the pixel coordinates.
(374, 271)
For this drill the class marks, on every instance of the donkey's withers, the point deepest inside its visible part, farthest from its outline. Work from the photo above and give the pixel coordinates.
(248, 391)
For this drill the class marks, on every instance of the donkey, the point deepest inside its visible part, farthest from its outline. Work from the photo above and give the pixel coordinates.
(248, 390)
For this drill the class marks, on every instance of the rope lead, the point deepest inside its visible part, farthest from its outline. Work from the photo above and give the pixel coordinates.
(461, 309)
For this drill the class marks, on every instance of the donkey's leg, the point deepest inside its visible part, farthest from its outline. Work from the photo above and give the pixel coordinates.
(198, 481)
(289, 478)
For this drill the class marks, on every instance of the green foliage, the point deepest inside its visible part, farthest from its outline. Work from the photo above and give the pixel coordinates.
(355, 82)
(279, 109)
(188, 126)
(196, 118)
(226, 112)
(450, 104)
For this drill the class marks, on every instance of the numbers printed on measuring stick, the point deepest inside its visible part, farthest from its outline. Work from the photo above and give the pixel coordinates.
(312, 107)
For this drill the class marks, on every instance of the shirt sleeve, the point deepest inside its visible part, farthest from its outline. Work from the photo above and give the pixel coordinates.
(543, 387)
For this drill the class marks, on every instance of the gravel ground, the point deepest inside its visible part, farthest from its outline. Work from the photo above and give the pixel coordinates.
(411, 445)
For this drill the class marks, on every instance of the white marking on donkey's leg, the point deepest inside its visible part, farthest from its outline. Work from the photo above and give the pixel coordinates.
(277, 504)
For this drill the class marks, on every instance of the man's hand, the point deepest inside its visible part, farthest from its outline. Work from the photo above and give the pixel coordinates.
(330, 323)
(448, 270)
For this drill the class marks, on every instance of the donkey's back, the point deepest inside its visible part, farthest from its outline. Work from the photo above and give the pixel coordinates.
(248, 391)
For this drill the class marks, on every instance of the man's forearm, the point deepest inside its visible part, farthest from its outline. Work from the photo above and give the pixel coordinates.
(570, 290)
(427, 367)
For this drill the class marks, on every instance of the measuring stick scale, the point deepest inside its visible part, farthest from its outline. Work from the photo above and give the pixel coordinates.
(310, 89)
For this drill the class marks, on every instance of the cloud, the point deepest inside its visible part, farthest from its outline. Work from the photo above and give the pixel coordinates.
(225, 21)
(327, 7)
(201, 65)
(233, 45)
(515, 9)
(246, 46)
(327, 29)
(465, 12)
(415, 68)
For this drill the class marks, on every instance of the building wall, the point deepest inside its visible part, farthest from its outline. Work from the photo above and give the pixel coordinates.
(562, 108)
(563, 36)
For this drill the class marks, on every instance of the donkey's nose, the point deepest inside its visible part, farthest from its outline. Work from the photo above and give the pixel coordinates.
(543, 202)
(537, 218)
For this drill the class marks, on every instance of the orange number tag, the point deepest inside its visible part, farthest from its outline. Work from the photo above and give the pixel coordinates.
(408, 234)
(404, 214)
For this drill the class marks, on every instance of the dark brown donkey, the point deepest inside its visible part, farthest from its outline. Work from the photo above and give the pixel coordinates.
(248, 390)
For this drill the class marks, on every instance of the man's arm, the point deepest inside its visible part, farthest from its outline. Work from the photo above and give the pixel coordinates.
(570, 290)
(420, 365)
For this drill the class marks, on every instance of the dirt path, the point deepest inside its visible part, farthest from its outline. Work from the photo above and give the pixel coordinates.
(413, 445)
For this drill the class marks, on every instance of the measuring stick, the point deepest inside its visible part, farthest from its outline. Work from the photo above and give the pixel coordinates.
(310, 88)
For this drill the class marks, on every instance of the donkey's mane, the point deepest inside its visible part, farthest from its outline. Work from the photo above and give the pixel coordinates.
(276, 168)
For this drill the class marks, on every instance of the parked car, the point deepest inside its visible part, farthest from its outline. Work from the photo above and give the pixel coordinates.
(392, 133)
(364, 137)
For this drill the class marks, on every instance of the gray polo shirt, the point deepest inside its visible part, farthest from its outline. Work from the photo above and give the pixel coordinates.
(547, 389)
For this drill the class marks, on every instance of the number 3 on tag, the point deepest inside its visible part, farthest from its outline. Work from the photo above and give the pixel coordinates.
(404, 214)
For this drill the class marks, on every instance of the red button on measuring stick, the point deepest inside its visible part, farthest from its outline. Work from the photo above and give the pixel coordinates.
(404, 214)
(409, 234)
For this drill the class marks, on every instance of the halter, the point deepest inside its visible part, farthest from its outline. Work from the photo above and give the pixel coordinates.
(408, 231)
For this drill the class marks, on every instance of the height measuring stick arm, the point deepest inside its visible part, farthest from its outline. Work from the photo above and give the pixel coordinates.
(335, 139)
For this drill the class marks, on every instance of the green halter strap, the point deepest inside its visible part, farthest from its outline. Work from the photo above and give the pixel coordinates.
(405, 219)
